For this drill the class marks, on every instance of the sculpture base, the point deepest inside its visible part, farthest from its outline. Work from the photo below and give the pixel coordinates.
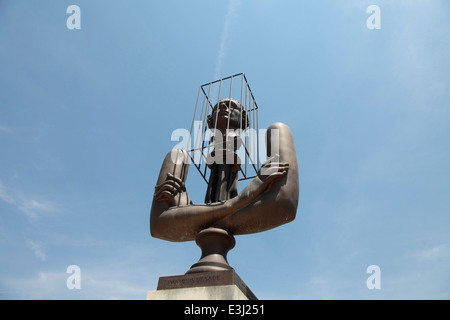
(231, 292)
(214, 285)
(215, 244)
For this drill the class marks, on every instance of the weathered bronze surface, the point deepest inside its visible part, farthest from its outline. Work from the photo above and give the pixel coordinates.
(268, 201)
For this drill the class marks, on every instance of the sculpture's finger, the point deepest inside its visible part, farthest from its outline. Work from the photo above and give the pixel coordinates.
(271, 169)
(177, 180)
(270, 180)
(166, 188)
(275, 164)
(164, 196)
(171, 183)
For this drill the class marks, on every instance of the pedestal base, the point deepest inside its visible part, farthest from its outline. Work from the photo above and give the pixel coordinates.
(214, 285)
(215, 244)
(230, 292)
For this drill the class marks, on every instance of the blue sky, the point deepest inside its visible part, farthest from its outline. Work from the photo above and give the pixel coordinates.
(86, 118)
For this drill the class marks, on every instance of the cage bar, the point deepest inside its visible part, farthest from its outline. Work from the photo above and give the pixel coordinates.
(234, 87)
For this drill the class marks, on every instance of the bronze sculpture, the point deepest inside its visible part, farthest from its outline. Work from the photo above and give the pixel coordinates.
(268, 201)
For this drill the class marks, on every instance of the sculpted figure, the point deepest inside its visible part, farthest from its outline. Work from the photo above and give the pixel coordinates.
(268, 201)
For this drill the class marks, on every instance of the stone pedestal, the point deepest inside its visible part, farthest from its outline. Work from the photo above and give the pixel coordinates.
(231, 292)
(214, 285)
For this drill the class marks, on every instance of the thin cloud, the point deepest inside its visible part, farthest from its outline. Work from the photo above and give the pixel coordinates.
(31, 207)
(38, 250)
(230, 18)
(44, 285)
(5, 129)
(432, 253)
(102, 283)
(5, 196)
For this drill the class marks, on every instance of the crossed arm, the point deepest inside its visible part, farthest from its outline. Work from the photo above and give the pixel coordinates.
(265, 203)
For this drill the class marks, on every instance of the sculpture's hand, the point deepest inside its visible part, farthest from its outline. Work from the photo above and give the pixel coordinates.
(271, 171)
(171, 191)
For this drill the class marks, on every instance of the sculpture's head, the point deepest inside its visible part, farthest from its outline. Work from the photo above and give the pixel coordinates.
(228, 114)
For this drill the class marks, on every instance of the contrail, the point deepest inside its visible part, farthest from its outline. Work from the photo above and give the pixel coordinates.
(230, 18)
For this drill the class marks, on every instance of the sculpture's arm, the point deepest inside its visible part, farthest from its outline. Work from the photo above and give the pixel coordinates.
(278, 204)
(270, 200)
(183, 222)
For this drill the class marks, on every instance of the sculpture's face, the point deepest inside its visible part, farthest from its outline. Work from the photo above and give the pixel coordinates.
(227, 114)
